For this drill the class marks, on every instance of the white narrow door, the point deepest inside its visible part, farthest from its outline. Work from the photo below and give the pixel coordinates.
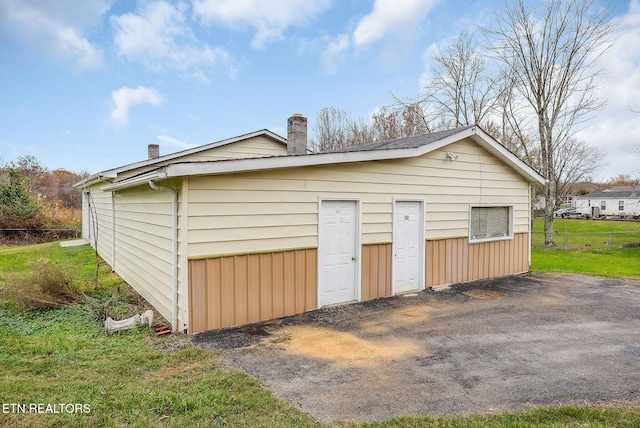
(337, 252)
(407, 236)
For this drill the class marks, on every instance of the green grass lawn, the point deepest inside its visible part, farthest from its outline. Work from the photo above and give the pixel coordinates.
(587, 234)
(133, 378)
(588, 253)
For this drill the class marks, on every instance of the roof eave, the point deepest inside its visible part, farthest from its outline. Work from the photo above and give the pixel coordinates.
(113, 173)
(157, 174)
(261, 164)
(94, 179)
(278, 162)
(498, 150)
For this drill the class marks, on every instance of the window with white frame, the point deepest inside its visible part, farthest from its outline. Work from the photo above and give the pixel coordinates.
(491, 223)
(603, 205)
(620, 205)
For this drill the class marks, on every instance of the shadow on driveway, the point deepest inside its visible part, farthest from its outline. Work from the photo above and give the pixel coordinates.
(490, 345)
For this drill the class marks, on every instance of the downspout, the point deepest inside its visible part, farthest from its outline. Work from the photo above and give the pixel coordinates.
(174, 255)
(532, 191)
(113, 231)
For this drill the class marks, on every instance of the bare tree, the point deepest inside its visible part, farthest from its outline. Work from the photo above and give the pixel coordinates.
(463, 90)
(335, 129)
(553, 62)
(414, 120)
(575, 161)
(331, 129)
(399, 121)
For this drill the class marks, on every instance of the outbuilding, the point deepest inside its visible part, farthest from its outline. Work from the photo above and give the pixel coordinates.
(620, 201)
(254, 227)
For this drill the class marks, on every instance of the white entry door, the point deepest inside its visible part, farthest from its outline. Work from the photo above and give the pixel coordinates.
(337, 251)
(408, 245)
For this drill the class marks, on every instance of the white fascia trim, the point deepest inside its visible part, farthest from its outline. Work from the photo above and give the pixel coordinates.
(501, 152)
(113, 173)
(259, 164)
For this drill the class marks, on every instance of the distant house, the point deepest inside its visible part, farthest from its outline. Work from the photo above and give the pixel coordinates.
(622, 201)
(253, 227)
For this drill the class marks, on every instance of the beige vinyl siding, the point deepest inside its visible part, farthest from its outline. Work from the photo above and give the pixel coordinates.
(144, 244)
(277, 210)
(256, 147)
(101, 205)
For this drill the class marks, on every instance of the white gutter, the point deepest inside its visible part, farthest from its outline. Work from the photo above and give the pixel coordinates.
(174, 253)
(137, 180)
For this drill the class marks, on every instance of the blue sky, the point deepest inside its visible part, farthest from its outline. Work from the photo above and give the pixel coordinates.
(88, 84)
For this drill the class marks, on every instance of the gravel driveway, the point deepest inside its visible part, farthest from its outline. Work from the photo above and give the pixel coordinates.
(483, 346)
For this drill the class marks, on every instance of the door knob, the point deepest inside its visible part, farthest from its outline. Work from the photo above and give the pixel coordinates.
(353, 258)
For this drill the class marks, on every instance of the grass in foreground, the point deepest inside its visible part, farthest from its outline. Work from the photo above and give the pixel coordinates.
(63, 356)
(560, 417)
(135, 379)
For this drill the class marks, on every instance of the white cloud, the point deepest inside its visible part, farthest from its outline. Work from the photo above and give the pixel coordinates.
(399, 19)
(333, 53)
(124, 98)
(396, 24)
(174, 142)
(617, 128)
(269, 18)
(56, 29)
(159, 36)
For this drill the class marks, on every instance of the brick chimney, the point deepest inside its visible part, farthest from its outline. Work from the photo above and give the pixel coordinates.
(154, 151)
(297, 135)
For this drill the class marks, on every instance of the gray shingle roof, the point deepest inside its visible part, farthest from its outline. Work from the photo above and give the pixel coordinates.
(609, 194)
(404, 143)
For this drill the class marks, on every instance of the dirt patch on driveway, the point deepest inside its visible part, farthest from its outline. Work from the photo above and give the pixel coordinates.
(483, 294)
(344, 349)
(500, 344)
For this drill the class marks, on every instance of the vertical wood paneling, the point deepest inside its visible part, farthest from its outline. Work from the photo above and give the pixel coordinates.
(457, 260)
(227, 291)
(266, 286)
(442, 254)
(214, 312)
(436, 262)
(449, 261)
(376, 271)
(241, 290)
(311, 278)
(253, 279)
(291, 295)
(366, 272)
(277, 285)
(300, 264)
(198, 312)
(384, 271)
